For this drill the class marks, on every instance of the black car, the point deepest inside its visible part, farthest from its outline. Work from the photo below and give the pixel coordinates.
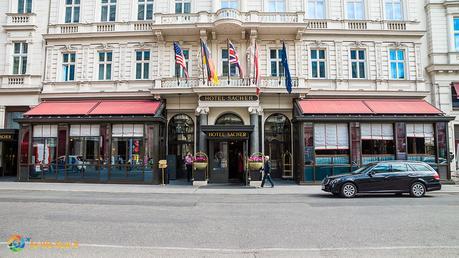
(399, 177)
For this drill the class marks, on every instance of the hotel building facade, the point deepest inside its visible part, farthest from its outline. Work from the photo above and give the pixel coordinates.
(114, 102)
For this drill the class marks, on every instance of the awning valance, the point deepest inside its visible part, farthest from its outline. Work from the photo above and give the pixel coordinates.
(367, 107)
(91, 107)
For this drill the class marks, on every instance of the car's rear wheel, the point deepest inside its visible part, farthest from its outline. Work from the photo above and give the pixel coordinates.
(348, 190)
(418, 189)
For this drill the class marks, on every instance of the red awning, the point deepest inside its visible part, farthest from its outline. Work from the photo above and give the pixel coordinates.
(55, 108)
(368, 107)
(104, 107)
(126, 108)
(456, 88)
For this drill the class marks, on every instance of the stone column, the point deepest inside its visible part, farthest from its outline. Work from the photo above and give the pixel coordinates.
(2, 125)
(203, 114)
(255, 135)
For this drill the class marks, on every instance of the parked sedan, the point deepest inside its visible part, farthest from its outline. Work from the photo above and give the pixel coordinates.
(415, 178)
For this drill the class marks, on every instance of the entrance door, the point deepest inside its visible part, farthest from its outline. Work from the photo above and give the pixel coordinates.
(275, 151)
(236, 161)
(227, 162)
(9, 156)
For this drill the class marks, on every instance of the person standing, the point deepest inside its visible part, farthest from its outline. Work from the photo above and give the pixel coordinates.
(188, 165)
(267, 172)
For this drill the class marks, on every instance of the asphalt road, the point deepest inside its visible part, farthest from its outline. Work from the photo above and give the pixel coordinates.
(210, 225)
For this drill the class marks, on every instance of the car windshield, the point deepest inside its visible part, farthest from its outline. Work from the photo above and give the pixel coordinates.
(363, 169)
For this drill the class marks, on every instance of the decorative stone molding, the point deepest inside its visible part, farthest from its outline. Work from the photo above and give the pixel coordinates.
(202, 110)
(255, 110)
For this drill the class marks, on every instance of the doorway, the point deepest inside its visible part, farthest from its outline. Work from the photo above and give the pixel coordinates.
(9, 158)
(227, 161)
(236, 161)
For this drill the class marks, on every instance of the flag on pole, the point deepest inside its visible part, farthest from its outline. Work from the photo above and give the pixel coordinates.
(288, 77)
(180, 58)
(256, 67)
(234, 58)
(207, 61)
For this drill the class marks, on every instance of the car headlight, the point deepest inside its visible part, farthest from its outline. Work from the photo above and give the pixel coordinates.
(334, 181)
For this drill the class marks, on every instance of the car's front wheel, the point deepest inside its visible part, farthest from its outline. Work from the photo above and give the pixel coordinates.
(348, 190)
(418, 189)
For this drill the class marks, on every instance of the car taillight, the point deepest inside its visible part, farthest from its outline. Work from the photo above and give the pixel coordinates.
(436, 176)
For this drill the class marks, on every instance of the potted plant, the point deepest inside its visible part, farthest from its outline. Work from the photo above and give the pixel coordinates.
(200, 163)
(256, 161)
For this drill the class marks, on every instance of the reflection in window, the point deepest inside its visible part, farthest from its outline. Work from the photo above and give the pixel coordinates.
(456, 33)
(316, 9)
(377, 139)
(105, 65)
(108, 10)
(72, 11)
(276, 5)
(68, 66)
(358, 64)
(234, 4)
(142, 64)
(318, 63)
(127, 144)
(24, 6)
(182, 6)
(229, 119)
(145, 10)
(355, 9)
(44, 147)
(84, 145)
(277, 139)
(393, 9)
(20, 58)
(277, 69)
(226, 64)
(397, 64)
(421, 139)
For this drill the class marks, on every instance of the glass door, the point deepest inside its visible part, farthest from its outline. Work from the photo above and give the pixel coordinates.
(218, 162)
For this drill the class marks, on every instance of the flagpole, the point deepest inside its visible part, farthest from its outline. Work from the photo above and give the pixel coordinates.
(175, 65)
(253, 61)
(202, 64)
(229, 60)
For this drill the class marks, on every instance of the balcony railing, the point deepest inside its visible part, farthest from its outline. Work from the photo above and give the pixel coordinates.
(19, 81)
(266, 82)
(20, 19)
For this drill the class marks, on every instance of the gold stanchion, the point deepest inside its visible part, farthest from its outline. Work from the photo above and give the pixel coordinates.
(162, 165)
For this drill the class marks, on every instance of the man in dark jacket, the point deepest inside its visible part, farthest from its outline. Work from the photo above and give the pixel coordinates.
(267, 174)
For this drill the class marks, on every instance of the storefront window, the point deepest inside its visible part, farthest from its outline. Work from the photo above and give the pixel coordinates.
(378, 142)
(25, 142)
(277, 141)
(44, 150)
(127, 152)
(421, 142)
(83, 159)
(181, 140)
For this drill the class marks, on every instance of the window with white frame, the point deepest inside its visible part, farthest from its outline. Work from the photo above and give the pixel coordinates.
(108, 10)
(331, 136)
(277, 69)
(355, 9)
(20, 58)
(420, 139)
(316, 9)
(397, 64)
(178, 68)
(105, 65)
(456, 33)
(393, 9)
(226, 65)
(318, 63)
(72, 11)
(127, 130)
(276, 6)
(234, 4)
(182, 6)
(24, 6)
(142, 64)
(358, 64)
(68, 66)
(377, 139)
(145, 10)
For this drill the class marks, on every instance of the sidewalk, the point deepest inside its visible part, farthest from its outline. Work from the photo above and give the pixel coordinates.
(175, 189)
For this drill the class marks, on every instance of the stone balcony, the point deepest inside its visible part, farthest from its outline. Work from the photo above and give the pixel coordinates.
(17, 82)
(295, 21)
(20, 21)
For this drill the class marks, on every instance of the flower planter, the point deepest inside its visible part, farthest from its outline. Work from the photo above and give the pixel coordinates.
(199, 176)
(255, 165)
(200, 165)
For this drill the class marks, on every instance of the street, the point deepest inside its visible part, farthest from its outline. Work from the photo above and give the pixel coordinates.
(309, 224)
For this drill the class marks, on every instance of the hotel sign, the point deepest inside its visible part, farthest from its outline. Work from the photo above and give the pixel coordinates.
(229, 98)
(223, 135)
(6, 137)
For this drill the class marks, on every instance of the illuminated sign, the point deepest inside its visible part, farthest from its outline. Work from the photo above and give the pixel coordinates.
(229, 98)
(228, 134)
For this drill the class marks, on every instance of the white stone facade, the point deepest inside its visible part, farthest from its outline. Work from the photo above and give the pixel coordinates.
(443, 61)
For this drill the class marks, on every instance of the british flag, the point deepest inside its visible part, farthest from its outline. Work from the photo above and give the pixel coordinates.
(234, 58)
(180, 58)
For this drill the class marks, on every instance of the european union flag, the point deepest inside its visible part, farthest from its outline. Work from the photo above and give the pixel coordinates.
(288, 77)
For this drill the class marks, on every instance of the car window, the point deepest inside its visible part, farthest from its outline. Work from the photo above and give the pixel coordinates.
(400, 167)
(381, 168)
(420, 167)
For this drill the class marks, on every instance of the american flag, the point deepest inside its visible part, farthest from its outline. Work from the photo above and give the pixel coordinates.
(234, 58)
(180, 58)
(257, 71)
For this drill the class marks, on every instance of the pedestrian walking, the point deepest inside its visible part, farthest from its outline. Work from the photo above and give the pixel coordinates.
(267, 172)
(188, 165)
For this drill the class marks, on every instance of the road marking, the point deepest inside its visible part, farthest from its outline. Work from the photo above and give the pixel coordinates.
(255, 250)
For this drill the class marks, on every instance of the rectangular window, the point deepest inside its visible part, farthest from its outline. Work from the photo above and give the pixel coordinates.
(234, 4)
(182, 6)
(10, 120)
(24, 6)
(355, 9)
(316, 9)
(331, 136)
(397, 64)
(276, 5)
(456, 33)
(44, 146)
(377, 139)
(393, 9)
(277, 69)
(226, 65)
(72, 11)
(420, 139)
(145, 10)
(105, 65)
(358, 64)
(455, 96)
(68, 66)
(318, 63)
(20, 58)
(108, 10)
(178, 68)
(142, 64)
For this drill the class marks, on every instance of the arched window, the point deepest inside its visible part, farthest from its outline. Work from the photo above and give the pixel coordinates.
(277, 141)
(180, 140)
(229, 119)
